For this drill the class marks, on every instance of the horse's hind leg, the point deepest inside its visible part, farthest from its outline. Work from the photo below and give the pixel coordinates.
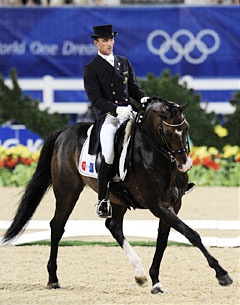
(67, 193)
(114, 225)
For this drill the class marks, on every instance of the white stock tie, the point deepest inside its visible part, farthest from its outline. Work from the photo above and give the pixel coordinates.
(110, 59)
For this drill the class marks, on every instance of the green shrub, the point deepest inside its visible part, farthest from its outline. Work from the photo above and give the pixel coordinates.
(15, 107)
(233, 123)
(201, 123)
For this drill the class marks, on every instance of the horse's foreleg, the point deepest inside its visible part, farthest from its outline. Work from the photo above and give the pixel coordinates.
(114, 225)
(162, 239)
(173, 221)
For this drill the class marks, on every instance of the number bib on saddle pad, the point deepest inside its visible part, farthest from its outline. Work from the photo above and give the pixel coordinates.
(87, 163)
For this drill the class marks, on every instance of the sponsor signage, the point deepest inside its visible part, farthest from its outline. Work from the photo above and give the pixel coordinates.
(19, 134)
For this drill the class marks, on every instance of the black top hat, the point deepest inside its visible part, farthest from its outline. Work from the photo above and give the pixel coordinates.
(103, 31)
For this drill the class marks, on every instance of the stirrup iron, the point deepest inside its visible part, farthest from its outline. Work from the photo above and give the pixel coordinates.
(104, 209)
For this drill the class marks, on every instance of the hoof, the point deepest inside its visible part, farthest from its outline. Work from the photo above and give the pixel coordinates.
(225, 280)
(53, 285)
(157, 288)
(141, 281)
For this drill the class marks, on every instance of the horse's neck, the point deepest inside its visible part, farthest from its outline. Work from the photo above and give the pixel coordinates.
(154, 147)
(156, 164)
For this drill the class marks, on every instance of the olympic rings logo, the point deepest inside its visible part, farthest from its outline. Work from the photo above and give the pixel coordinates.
(183, 44)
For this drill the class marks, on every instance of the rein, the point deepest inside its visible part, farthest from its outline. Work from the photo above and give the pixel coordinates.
(161, 149)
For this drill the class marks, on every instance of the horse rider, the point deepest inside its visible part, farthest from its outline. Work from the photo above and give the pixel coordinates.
(110, 82)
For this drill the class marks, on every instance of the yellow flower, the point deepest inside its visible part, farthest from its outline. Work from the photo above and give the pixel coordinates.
(35, 155)
(213, 151)
(229, 151)
(200, 151)
(221, 131)
(2, 150)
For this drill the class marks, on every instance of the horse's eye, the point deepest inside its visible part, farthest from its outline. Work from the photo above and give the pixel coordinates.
(168, 134)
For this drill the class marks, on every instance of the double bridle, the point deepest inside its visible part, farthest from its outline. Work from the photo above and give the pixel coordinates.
(168, 151)
(173, 152)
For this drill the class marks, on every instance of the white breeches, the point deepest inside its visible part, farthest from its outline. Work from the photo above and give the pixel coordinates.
(107, 134)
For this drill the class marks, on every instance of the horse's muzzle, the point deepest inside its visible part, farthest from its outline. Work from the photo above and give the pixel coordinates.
(185, 167)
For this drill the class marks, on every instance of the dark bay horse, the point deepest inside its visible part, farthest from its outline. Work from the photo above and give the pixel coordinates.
(156, 180)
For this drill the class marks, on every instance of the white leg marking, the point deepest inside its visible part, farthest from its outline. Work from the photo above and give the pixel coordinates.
(157, 288)
(134, 259)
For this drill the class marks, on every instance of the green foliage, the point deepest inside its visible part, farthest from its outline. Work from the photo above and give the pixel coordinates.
(19, 176)
(227, 175)
(233, 123)
(21, 109)
(5, 177)
(201, 123)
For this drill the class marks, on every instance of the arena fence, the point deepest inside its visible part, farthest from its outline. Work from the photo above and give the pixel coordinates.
(146, 229)
(49, 85)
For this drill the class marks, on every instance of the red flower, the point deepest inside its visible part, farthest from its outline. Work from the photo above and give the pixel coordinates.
(11, 162)
(26, 161)
(209, 163)
(196, 161)
(2, 163)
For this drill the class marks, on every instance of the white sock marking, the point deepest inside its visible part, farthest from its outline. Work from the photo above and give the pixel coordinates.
(134, 259)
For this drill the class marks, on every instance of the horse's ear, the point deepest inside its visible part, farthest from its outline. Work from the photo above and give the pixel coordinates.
(184, 106)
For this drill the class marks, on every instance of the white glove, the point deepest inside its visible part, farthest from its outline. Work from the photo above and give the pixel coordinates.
(124, 111)
(144, 99)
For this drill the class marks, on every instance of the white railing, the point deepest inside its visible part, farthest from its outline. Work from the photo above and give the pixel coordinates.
(214, 84)
(48, 85)
(134, 228)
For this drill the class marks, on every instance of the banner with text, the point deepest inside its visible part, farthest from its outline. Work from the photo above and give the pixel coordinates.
(199, 41)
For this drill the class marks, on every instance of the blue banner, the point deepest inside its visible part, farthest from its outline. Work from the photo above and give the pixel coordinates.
(19, 134)
(199, 41)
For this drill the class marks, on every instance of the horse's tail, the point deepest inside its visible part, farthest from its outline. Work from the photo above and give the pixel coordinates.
(35, 189)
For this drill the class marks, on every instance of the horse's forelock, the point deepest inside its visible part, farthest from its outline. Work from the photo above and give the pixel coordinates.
(174, 111)
(162, 103)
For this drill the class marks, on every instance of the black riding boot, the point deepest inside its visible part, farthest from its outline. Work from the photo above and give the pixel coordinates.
(105, 174)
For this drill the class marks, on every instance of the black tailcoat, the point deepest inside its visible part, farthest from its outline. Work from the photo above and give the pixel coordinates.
(108, 87)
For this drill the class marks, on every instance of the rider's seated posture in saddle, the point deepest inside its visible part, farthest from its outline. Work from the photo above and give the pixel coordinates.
(110, 82)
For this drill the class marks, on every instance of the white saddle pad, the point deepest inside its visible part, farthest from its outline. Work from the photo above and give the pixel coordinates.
(87, 162)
